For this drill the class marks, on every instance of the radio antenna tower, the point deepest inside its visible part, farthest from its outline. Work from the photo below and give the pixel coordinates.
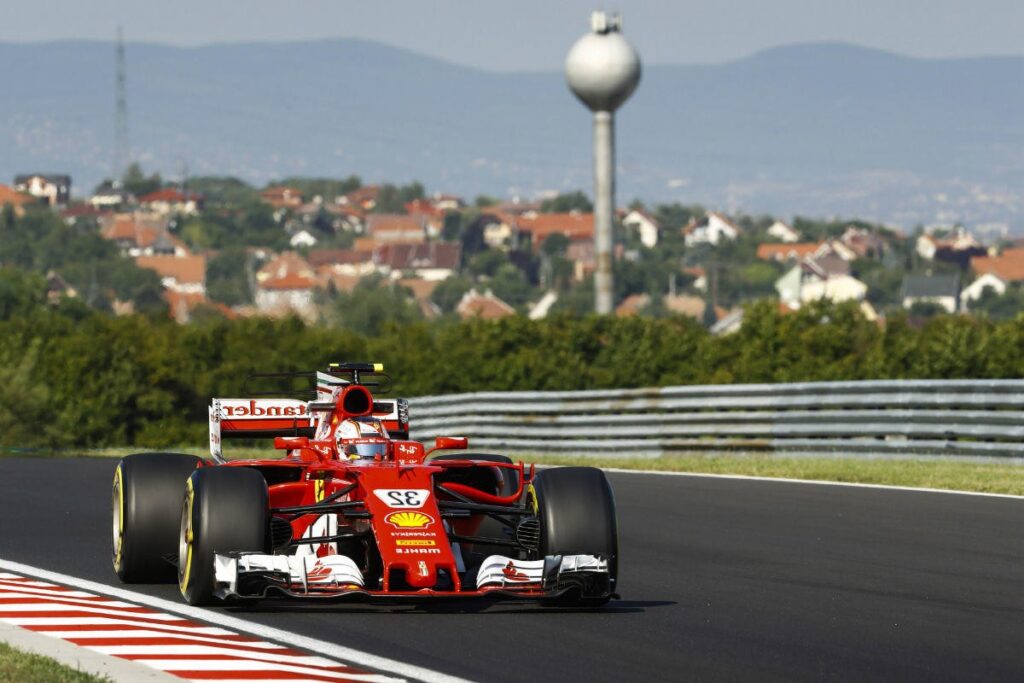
(121, 118)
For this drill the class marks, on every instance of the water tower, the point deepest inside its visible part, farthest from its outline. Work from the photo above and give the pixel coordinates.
(603, 70)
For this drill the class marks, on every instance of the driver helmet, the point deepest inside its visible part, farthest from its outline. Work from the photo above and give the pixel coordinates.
(360, 438)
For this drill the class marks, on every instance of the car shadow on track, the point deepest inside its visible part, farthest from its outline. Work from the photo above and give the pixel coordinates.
(446, 607)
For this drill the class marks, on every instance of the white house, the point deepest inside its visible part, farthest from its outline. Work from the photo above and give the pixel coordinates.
(973, 291)
(109, 196)
(810, 281)
(942, 290)
(303, 238)
(835, 289)
(55, 189)
(644, 225)
(541, 309)
(283, 295)
(783, 232)
(499, 229)
(960, 240)
(713, 228)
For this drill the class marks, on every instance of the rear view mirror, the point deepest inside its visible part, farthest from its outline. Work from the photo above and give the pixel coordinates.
(450, 442)
(290, 442)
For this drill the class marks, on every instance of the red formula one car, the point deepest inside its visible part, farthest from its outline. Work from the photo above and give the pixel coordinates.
(354, 509)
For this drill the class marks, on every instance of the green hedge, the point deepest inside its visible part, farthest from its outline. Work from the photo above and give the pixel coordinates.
(95, 380)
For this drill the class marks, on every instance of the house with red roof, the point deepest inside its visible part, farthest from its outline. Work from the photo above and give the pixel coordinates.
(364, 198)
(424, 207)
(285, 285)
(539, 227)
(181, 274)
(182, 306)
(80, 211)
(995, 272)
(431, 261)
(863, 243)
(17, 200)
(485, 306)
(353, 262)
(282, 197)
(139, 234)
(392, 228)
(170, 200)
(788, 252)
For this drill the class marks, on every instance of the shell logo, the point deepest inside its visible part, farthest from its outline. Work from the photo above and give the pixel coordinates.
(409, 520)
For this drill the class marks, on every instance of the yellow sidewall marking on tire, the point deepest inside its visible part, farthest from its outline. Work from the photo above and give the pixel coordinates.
(532, 492)
(119, 532)
(189, 535)
(318, 489)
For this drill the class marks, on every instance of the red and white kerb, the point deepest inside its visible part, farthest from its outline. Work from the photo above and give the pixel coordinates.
(178, 646)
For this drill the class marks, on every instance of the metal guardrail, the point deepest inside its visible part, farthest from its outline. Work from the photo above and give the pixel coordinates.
(891, 418)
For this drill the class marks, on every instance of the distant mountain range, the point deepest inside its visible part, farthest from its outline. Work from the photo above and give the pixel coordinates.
(818, 129)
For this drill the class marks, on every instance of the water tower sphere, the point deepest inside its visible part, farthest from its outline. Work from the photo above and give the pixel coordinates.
(603, 70)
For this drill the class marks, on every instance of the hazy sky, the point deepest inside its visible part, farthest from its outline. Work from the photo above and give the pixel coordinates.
(535, 34)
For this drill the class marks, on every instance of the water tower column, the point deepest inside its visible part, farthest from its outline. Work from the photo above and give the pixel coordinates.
(603, 70)
(604, 209)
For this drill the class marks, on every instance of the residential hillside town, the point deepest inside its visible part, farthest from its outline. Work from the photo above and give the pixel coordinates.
(356, 254)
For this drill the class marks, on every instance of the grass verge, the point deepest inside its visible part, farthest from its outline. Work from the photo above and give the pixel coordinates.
(955, 475)
(21, 667)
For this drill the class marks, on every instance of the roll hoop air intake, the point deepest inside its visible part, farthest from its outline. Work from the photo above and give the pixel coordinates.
(353, 401)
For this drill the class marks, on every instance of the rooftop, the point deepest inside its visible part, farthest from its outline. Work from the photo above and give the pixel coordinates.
(931, 286)
(183, 269)
(1008, 266)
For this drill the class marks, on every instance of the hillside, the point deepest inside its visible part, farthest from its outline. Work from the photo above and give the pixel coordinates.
(819, 129)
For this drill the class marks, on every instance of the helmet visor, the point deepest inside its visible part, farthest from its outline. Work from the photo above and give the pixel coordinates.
(365, 450)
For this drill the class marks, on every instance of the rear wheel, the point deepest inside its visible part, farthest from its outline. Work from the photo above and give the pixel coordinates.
(225, 509)
(145, 509)
(576, 510)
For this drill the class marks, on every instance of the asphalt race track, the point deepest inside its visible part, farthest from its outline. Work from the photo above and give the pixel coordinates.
(720, 580)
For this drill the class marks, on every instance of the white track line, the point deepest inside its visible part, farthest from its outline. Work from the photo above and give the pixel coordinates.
(346, 655)
(817, 482)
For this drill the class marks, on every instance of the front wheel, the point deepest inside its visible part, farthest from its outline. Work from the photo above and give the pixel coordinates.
(225, 509)
(145, 504)
(576, 510)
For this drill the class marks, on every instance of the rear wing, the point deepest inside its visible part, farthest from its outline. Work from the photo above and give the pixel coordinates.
(266, 418)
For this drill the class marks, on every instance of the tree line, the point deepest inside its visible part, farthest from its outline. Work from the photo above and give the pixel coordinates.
(73, 378)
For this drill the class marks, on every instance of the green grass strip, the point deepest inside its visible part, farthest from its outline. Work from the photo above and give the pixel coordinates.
(956, 475)
(21, 667)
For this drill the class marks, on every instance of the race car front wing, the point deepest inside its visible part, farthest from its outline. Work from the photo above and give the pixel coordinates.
(256, 575)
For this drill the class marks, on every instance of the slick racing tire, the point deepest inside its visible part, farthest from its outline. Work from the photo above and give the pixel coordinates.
(225, 509)
(509, 478)
(576, 510)
(145, 510)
